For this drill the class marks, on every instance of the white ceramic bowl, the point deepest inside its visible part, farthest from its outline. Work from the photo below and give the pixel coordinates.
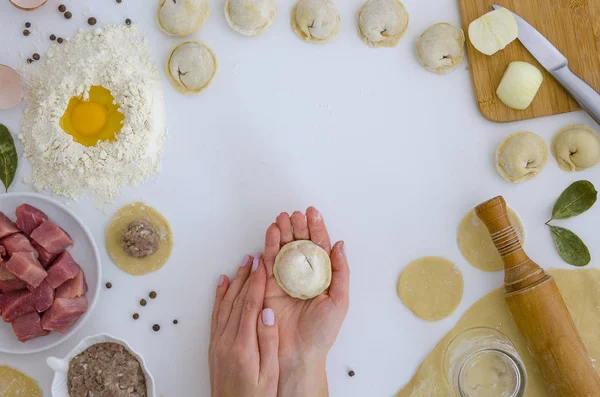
(61, 366)
(85, 253)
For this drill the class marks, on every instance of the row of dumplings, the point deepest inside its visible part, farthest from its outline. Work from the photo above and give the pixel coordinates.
(523, 155)
(381, 22)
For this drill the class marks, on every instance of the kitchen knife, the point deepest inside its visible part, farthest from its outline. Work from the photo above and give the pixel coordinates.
(558, 66)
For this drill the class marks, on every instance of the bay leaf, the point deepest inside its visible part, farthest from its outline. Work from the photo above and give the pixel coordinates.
(575, 200)
(8, 157)
(570, 247)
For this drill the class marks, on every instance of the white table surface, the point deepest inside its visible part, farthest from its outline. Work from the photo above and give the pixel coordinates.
(393, 155)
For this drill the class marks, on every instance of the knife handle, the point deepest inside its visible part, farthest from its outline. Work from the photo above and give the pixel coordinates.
(585, 95)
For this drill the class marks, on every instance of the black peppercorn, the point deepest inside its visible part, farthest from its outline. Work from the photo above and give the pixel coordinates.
(60, 40)
(27, 24)
(108, 285)
(156, 327)
(152, 295)
(26, 32)
(143, 302)
(92, 21)
(128, 21)
(351, 373)
(175, 321)
(29, 60)
(36, 56)
(68, 15)
(52, 37)
(119, 1)
(136, 316)
(62, 8)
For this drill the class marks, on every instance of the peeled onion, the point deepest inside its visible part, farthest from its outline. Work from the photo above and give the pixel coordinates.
(11, 88)
(28, 5)
(519, 85)
(493, 31)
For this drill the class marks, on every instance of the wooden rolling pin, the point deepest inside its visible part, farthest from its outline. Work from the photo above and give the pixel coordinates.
(540, 312)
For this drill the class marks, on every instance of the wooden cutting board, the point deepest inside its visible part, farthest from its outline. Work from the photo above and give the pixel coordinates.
(573, 26)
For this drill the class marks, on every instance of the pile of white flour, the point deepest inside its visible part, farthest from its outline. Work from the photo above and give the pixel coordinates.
(116, 58)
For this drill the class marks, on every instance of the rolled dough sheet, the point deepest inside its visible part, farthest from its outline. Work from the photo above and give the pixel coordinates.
(432, 287)
(476, 244)
(581, 291)
(16, 384)
(123, 217)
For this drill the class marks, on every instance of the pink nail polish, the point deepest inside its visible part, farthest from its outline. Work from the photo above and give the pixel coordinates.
(221, 280)
(245, 261)
(268, 317)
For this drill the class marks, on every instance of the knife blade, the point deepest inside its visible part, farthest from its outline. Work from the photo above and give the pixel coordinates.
(539, 46)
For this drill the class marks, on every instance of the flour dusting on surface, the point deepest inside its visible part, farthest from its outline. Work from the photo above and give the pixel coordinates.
(116, 58)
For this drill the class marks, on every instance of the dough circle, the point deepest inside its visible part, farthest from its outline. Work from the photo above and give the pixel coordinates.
(14, 383)
(124, 217)
(521, 156)
(476, 244)
(317, 21)
(576, 147)
(432, 287)
(182, 17)
(250, 17)
(441, 48)
(302, 269)
(191, 67)
(381, 23)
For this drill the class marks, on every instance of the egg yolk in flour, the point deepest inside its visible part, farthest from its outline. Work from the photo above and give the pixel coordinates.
(94, 120)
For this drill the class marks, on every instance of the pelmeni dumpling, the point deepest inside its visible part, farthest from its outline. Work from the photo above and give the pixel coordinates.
(381, 23)
(250, 17)
(302, 269)
(576, 147)
(521, 156)
(182, 17)
(317, 21)
(441, 48)
(191, 67)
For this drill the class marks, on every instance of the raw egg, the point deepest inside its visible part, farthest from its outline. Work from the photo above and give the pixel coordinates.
(94, 120)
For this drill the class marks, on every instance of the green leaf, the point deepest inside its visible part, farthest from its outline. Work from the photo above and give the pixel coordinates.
(570, 247)
(8, 157)
(575, 200)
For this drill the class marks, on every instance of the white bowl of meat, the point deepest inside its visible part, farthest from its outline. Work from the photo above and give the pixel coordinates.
(100, 366)
(49, 273)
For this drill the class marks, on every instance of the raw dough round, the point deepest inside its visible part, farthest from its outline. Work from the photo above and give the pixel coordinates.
(432, 287)
(441, 48)
(114, 235)
(191, 67)
(476, 244)
(182, 17)
(250, 17)
(576, 147)
(521, 156)
(317, 21)
(381, 23)
(14, 383)
(302, 269)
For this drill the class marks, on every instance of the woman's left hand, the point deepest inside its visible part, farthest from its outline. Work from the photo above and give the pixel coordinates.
(243, 337)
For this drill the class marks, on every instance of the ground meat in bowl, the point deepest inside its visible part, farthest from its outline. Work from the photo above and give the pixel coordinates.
(140, 239)
(106, 370)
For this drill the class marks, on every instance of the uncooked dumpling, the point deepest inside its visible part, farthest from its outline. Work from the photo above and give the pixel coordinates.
(182, 17)
(441, 48)
(317, 21)
(431, 287)
(191, 67)
(381, 23)
(521, 156)
(139, 239)
(576, 147)
(477, 246)
(250, 17)
(302, 269)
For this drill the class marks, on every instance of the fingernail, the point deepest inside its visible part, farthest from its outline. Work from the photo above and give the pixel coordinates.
(221, 280)
(255, 262)
(268, 317)
(245, 261)
(343, 247)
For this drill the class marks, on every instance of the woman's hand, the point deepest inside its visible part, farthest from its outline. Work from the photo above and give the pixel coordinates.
(243, 337)
(307, 328)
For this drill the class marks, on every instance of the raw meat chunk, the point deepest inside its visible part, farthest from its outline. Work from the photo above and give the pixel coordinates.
(7, 227)
(16, 304)
(12, 285)
(25, 266)
(46, 257)
(5, 275)
(63, 269)
(73, 288)
(29, 218)
(28, 326)
(2, 250)
(18, 243)
(63, 313)
(51, 237)
(43, 297)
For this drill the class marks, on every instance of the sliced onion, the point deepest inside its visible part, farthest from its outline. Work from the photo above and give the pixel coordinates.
(28, 5)
(11, 88)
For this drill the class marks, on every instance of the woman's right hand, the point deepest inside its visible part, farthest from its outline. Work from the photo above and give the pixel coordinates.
(243, 337)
